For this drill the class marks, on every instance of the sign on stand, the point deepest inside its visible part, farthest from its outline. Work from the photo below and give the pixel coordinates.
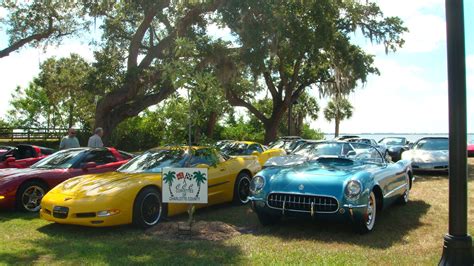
(184, 185)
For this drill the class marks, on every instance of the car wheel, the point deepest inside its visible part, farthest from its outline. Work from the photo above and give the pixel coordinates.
(147, 208)
(405, 197)
(29, 195)
(242, 189)
(367, 222)
(267, 219)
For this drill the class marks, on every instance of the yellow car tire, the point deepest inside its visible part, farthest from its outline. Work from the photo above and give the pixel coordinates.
(148, 208)
(242, 188)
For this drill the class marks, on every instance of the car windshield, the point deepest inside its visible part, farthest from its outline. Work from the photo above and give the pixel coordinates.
(392, 141)
(60, 160)
(154, 160)
(318, 149)
(283, 144)
(236, 148)
(361, 153)
(432, 144)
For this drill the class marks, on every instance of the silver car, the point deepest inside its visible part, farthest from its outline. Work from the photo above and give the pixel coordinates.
(430, 154)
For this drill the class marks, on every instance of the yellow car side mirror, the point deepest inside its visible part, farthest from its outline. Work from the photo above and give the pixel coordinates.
(255, 153)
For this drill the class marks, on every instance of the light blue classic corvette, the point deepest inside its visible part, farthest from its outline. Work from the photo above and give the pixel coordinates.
(333, 180)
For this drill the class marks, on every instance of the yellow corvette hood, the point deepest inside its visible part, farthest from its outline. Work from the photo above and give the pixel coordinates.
(101, 184)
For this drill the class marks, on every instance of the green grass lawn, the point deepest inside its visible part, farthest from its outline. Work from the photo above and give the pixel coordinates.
(406, 235)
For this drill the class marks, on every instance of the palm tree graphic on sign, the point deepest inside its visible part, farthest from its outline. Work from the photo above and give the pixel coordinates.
(200, 178)
(168, 178)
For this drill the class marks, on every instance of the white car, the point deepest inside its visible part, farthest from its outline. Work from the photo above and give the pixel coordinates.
(430, 154)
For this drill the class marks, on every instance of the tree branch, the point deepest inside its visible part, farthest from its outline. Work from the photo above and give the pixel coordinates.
(270, 84)
(234, 100)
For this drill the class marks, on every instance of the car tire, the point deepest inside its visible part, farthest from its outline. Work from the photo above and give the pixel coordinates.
(403, 200)
(148, 208)
(242, 189)
(267, 219)
(366, 223)
(29, 195)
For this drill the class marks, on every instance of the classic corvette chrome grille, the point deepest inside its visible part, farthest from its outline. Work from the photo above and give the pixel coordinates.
(60, 212)
(302, 202)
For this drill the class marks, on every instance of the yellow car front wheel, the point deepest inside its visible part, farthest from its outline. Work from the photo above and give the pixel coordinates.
(242, 188)
(148, 208)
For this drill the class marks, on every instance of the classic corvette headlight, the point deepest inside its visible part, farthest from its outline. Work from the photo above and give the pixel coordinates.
(107, 213)
(257, 184)
(353, 189)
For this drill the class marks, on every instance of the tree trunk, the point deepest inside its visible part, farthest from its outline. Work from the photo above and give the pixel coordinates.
(211, 124)
(336, 133)
(271, 131)
(71, 109)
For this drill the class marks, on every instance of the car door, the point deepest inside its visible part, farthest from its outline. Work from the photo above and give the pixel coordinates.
(104, 159)
(218, 174)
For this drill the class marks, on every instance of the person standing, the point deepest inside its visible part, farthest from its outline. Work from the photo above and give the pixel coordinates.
(95, 141)
(69, 141)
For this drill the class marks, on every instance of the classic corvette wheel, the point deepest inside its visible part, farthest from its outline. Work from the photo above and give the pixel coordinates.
(242, 189)
(147, 209)
(367, 223)
(29, 196)
(266, 219)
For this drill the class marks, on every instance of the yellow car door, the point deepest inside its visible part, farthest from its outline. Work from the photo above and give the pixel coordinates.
(219, 179)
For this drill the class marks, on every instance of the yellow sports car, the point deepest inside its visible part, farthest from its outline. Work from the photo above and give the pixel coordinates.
(132, 194)
(240, 148)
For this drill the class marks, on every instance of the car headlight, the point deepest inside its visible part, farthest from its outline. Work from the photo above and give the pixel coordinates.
(353, 189)
(257, 184)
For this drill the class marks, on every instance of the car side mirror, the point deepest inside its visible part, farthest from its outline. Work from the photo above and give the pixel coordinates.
(255, 153)
(202, 165)
(10, 159)
(89, 165)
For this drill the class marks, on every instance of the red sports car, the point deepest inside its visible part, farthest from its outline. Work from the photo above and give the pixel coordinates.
(470, 150)
(22, 156)
(24, 188)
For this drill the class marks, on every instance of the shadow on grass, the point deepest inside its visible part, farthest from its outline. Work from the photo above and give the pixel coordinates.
(7, 215)
(120, 245)
(392, 225)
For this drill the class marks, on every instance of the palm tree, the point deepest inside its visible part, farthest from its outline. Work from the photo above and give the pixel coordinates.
(168, 178)
(338, 108)
(200, 178)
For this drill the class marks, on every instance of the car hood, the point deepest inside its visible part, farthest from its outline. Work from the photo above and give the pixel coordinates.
(99, 184)
(287, 160)
(426, 156)
(315, 178)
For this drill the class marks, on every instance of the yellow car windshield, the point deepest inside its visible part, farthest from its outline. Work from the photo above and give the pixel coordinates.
(155, 160)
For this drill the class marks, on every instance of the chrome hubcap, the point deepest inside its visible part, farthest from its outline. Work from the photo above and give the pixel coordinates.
(371, 210)
(31, 198)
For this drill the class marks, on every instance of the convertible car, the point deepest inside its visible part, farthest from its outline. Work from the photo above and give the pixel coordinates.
(379, 146)
(395, 146)
(24, 188)
(288, 143)
(429, 154)
(337, 183)
(22, 156)
(132, 194)
(240, 148)
(470, 150)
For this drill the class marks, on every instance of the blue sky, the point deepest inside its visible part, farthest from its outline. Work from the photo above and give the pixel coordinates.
(410, 95)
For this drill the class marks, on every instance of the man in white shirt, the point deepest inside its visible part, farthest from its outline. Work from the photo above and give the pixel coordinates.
(69, 141)
(95, 141)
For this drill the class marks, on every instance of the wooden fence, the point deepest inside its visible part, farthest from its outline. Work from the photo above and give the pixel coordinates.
(31, 134)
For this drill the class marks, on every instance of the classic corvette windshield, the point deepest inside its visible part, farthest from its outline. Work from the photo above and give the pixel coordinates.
(153, 161)
(60, 159)
(432, 144)
(323, 149)
(393, 141)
